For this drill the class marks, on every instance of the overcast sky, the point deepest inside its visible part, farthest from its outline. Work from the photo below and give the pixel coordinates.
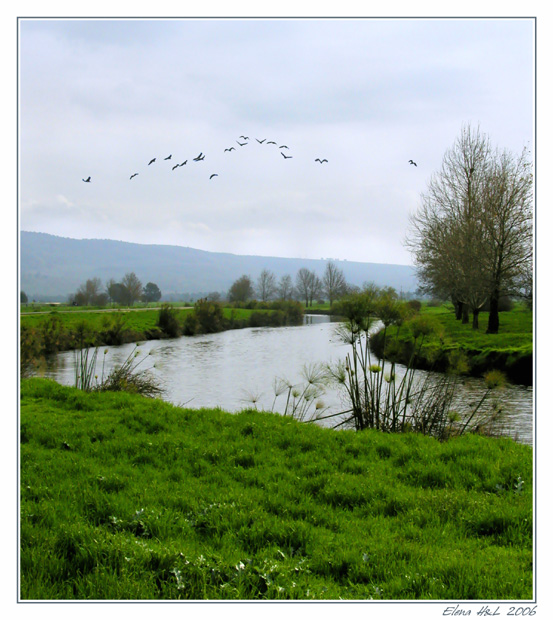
(101, 98)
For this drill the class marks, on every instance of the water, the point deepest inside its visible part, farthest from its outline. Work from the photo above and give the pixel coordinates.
(237, 369)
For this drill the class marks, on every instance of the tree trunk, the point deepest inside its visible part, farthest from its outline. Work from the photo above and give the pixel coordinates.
(475, 314)
(458, 310)
(493, 320)
(465, 316)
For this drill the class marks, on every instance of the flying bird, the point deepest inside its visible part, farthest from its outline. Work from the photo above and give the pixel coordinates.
(133, 175)
(151, 161)
(321, 160)
(271, 142)
(168, 158)
(213, 175)
(175, 166)
(87, 180)
(199, 158)
(231, 149)
(286, 156)
(261, 141)
(183, 162)
(283, 146)
(245, 137)
(412, 163)
(241, 143)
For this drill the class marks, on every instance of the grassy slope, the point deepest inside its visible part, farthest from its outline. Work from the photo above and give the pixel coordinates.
(510, 350)
(128, 498)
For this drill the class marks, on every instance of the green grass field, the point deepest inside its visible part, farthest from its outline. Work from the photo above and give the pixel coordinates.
(124, 497)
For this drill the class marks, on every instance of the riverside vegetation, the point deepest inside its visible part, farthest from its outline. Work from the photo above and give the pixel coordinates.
(44, 334)
(124, 497)
(510, 351)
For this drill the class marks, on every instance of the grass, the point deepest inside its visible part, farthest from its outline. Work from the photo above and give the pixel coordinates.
(511, 350)
(124, 497)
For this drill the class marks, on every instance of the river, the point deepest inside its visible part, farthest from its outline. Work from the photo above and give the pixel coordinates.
(237, 369)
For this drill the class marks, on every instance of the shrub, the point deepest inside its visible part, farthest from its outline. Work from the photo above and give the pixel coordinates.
(190, 326)
(167, 321)
(209, 315)
(414, 304)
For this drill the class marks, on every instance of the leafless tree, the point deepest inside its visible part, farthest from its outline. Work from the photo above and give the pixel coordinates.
(266, 285)
(333, 282)
(471, 233)
(508, 223)
(303, 284)
(133, 287)
(285, 288)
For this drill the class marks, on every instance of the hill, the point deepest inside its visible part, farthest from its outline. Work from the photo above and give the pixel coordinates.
(53, 267)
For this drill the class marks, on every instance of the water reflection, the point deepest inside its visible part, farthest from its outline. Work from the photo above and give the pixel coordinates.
(226, 369)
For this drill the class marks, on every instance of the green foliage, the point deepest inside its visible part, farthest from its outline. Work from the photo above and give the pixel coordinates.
(127, 498)
(151, 292)
(168, 321)
(209, 315)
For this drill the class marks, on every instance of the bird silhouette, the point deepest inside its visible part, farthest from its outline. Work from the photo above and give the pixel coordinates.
(412, 163)
(151, 161)
(261, 141)
(199, 158)
(245, 137)
(213, 175)
(241, 143)
(183, 162)
(231, 149)
(175, 166)
(87, 180)
(283, 146)
(321, 160)
(271, 142)
(286, 156)
(168, 158)
(133, 175)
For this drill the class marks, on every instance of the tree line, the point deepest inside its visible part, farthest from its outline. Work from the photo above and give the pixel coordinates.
(307, 287)
(126, 292)
(472, 235)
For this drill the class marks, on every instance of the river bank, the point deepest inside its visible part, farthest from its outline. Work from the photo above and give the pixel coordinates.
(475, 352)
(44, 334)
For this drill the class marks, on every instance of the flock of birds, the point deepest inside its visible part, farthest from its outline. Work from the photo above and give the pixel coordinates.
(246, 141)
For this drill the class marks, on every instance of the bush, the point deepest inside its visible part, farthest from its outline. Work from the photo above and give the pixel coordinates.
(190, 326)
(167, 321)
(209, 315)
(415, 304)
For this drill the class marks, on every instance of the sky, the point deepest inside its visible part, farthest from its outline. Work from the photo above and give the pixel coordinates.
(102, 97)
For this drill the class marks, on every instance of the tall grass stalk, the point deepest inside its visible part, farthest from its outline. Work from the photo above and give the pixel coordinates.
(122, 378)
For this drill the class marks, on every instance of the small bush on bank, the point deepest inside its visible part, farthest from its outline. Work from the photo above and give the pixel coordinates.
(168, 321)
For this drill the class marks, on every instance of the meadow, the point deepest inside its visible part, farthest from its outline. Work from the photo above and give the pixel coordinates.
(129, 498)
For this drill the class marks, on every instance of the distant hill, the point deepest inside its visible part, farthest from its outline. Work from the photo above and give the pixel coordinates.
(53, 267)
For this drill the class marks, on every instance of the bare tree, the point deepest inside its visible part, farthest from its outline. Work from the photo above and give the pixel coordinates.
(285, 288)
(334, 282)
(133, 288)
(508, 223)
(303, 284)
(266, 285)
(474, 214)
